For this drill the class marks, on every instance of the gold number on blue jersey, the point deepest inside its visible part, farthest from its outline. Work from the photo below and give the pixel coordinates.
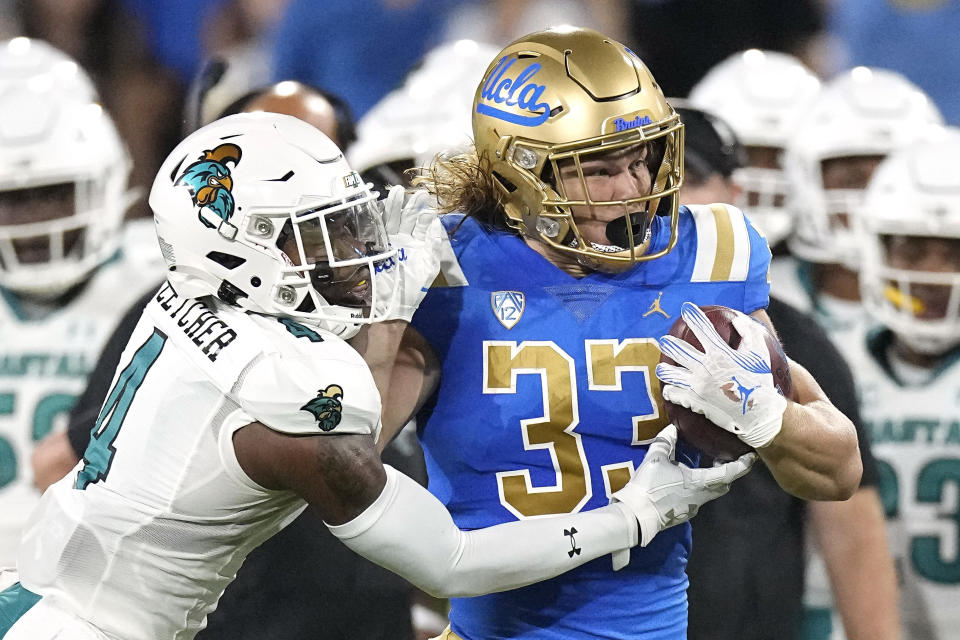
(553, 431)
(98, 457)
(606, 362)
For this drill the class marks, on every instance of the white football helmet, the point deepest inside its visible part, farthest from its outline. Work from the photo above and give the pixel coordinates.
(761, 95)
(262, 211)
(863, 112)
(429, 114)
(45, 66)
(63, 173)
(914, 193)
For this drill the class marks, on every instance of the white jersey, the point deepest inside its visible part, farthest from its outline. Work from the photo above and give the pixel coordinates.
(915, 433)
(147, 531)
(46, 355)
(790, 282)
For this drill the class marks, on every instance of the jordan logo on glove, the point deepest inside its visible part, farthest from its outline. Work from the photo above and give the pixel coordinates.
(743, 391)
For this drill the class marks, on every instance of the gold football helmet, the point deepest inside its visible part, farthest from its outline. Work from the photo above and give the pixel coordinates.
(561, 97)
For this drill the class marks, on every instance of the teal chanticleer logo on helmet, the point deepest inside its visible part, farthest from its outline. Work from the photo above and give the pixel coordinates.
(210, 184)
(326, 407)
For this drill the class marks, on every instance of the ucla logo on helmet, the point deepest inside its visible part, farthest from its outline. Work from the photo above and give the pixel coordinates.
(210, 183)
(508, 306)
(503, 89)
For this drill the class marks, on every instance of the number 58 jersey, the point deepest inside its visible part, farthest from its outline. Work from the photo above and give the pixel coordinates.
(146, 532)
(45, 359)
(548, 401)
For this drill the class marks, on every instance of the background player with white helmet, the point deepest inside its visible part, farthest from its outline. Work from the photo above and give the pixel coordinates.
(859, 117)
(22, 58)
(761, 95)
(427, 115)
(908, 373)
(66, 267)
(235, 408)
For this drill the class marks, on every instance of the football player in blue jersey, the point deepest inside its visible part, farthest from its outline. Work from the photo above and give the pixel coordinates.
(574, 260)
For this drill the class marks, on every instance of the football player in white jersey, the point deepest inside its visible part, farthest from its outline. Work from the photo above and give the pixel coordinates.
(908, 371)
(66, 268)
(858, 118)
(761, 95)
(236, 404)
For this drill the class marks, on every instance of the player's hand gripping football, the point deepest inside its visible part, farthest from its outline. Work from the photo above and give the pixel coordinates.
(663, 492)
(414, 228)
(733, 388)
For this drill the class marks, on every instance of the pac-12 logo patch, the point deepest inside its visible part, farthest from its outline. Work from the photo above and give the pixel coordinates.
(507, 306)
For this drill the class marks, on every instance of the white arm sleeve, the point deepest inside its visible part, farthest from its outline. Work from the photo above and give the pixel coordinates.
(409, 532)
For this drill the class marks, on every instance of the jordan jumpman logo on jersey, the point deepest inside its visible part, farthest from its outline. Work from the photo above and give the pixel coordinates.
(656, 308)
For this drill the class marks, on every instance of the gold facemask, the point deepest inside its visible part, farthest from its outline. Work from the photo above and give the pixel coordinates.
(561, 96)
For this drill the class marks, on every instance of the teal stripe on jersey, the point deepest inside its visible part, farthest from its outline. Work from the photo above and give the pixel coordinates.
(14, 602)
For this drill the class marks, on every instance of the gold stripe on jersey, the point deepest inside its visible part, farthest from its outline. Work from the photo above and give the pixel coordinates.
(723, 244)
(724, 257)
(447, 635)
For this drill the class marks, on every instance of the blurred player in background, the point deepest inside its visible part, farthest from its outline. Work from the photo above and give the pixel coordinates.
(427, 115)
(572, 278)
(907, 370)
(728, 547)
(859, 117)
(67, 266)
(761, 95)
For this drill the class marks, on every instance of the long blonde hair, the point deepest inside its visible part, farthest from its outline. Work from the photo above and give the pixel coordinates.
(463, 183)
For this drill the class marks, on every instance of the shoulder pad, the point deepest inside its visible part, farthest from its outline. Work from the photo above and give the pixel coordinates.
(306, 387)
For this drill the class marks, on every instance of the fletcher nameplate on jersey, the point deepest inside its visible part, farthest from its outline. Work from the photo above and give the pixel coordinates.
(197, 320)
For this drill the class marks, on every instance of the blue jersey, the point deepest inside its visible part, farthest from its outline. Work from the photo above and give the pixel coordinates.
(548, 400)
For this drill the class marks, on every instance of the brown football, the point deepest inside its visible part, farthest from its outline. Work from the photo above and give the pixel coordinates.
(695, 428)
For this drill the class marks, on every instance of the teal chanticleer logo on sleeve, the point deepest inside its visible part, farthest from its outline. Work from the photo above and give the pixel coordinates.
(326, 407)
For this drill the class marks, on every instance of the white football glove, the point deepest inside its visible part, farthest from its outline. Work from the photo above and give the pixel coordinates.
(414, 229)
(663, 492)
(733, 388)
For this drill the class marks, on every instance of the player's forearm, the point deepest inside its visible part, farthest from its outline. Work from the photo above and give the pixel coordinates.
(410, 533)
(853, 542)
(379, 344)
(815, 456)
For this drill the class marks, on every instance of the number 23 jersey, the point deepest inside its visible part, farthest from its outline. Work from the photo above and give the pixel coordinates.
(915, 436)
(548, 400)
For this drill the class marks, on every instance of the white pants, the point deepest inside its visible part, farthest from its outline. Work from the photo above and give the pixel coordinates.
(45, 621)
